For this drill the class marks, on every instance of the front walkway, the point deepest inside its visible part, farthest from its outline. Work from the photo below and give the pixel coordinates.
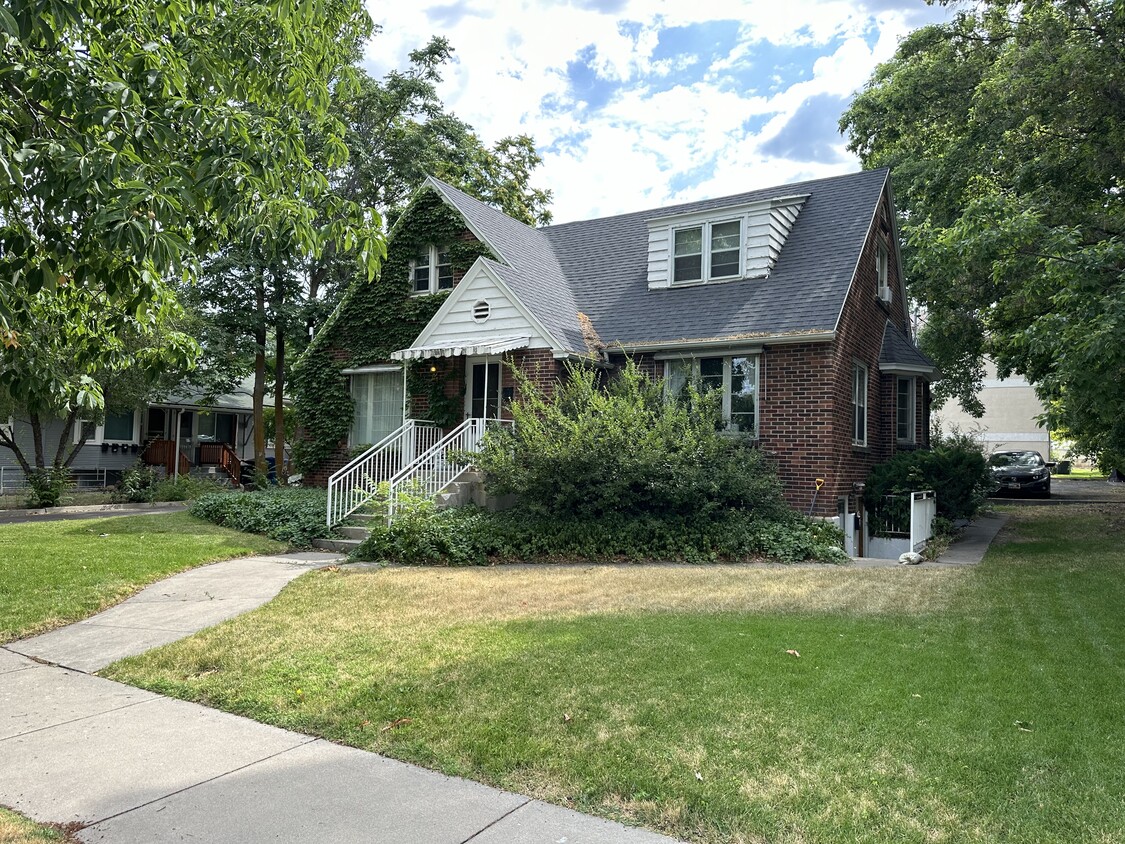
(134, 767)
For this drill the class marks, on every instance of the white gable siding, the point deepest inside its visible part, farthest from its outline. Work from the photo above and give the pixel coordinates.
(505, 318)
(765, 225)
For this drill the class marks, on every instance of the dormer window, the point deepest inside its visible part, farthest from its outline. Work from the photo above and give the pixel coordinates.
(716, 247)
(431, 271)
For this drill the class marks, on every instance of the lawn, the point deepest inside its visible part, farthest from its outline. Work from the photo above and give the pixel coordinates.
(54, 573)
(16, 829)
(926, 704)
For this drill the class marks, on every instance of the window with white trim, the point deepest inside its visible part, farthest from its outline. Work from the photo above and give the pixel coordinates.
(859, 404)
(706, 252)
(904, 410)
(882, 271)
(119, 427)
(378, 406)
(431, 271)
(736, 376)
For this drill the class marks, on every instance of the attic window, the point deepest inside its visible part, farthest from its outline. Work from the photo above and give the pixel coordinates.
(481, 311)
(882, 270)
(431, 271)
(707, 251)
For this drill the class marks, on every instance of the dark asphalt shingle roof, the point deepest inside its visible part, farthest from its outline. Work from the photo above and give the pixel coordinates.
(899, 350)
(600, 268)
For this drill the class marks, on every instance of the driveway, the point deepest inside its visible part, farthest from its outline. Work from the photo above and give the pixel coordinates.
(1066, 490)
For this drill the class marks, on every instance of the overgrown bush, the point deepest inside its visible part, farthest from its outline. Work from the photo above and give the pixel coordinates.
(471, 536)
(136, 484)
(140, 483)
(46, 487)
(295, 516)
(954, 467)
(624, 450)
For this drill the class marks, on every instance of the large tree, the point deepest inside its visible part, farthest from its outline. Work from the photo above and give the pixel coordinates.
(1006, 132)
(136, 137)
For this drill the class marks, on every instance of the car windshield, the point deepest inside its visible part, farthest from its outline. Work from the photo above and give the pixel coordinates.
(1021, 459)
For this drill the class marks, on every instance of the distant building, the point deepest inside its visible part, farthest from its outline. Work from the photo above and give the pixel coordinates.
(1009, 423)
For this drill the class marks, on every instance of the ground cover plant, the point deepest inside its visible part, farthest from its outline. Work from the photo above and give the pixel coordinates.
(721, 703)
(293, 516)
(55, 573)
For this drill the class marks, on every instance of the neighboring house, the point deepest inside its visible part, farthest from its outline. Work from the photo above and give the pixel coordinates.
(1010, 420)
(211, 435)
(789, 300)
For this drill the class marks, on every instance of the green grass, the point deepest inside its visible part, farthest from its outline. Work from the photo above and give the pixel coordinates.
(55, 573)
(927, 705)
(1084, 475)
(16, 829)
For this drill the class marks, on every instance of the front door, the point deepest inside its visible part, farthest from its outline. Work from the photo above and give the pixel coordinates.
(482, 396)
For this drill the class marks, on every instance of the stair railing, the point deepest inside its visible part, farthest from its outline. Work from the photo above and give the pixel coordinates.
(357, 483)
(433, 470)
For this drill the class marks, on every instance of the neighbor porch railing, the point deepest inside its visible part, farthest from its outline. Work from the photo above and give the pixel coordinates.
(435, 469)
(223, 456)
(163, 453)
(357, 483)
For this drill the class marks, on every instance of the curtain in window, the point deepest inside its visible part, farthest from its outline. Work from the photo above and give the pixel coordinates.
(378, 406)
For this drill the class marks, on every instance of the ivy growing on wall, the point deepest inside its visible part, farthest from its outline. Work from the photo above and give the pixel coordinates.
(375, 318)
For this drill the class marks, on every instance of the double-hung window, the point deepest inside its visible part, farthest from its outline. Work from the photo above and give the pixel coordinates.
(736, 377)
(859, 404)
(904, 410)
(882, 271)
(707, 251)
(431, 271)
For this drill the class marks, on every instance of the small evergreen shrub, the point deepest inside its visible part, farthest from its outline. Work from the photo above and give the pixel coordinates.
(295, 516)
(955, 468)
(46, 487)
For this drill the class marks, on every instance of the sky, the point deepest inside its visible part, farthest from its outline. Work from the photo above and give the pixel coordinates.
(637, 104)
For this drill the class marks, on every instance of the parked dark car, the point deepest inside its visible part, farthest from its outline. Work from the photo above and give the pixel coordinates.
(1020, 472)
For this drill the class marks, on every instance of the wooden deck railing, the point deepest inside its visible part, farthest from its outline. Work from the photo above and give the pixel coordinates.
(163, 453)
(223, 456)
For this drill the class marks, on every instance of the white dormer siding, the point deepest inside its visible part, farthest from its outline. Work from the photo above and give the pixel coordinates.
(765, 225)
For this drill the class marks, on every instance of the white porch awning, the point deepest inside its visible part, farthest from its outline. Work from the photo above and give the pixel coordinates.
(455, 348)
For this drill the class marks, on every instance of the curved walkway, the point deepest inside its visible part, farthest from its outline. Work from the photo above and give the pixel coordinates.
(133, 767)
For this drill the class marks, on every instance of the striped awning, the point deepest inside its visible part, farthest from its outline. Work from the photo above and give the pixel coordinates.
(476, 346)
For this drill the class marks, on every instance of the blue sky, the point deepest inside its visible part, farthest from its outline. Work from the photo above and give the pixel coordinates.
(639, 103)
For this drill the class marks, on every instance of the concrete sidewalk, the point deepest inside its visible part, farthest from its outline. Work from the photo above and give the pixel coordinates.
(134, 767)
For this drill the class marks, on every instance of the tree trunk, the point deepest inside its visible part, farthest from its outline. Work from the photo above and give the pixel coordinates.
(260, 375)
(9, 442)
(62, 458)
(279, 377)
(37, 438)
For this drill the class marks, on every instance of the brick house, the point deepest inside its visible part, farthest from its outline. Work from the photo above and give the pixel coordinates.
(790, 300)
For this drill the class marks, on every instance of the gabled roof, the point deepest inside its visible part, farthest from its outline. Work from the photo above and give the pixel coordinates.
(595, 272)
(899, 354)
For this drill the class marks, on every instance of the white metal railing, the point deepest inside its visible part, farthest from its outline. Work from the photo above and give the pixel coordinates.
(923, 509)
(357, 483)
(433, 470)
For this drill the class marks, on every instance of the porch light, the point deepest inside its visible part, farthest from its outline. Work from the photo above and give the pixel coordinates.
(433, 369)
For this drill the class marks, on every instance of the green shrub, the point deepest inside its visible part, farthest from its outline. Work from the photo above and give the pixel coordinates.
(137, 483)
(955, 468)
(624, 450)
(471, 536)
(295, 516)
(46, 487)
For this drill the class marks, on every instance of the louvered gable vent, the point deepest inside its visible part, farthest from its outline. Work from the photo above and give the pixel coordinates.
(720, 244)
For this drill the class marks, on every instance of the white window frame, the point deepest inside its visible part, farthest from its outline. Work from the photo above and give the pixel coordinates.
(378, 369)
(99, 437)
(728, 371)
(883, 270)
(911, 410)
(433, 253)
(706, 236)
(859, 402)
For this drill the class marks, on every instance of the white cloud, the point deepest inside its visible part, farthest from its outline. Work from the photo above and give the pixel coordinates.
(672, 126)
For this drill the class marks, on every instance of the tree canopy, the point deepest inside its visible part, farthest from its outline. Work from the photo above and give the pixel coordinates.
(1005, 129)
(136, 137)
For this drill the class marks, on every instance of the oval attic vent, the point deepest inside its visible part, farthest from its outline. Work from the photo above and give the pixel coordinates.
(481, 310)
